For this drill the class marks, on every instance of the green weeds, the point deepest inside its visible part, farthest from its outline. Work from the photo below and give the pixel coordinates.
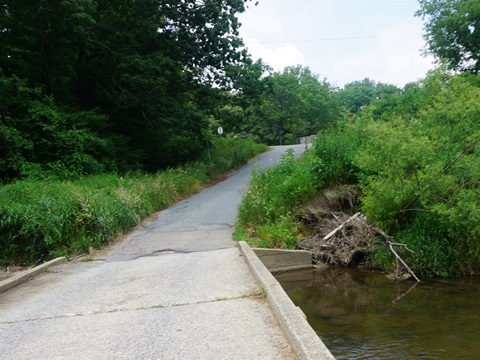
(264, 215)
(40, 220)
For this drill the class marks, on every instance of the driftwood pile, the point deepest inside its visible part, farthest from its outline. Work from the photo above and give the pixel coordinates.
(345, 245)
(338, 238)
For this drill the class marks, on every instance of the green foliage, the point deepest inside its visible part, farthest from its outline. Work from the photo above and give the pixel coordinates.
(435, 253)
(277, 107)
(334, 156)
(294, 103)
(89, 86)
(43, 219)
(231, 117)
(39, 139)
(357, 95)
(416, 158)
(272, 196)
(231, 153)
(420, 173)
(282, 233)
(47, 218)
(452, 31)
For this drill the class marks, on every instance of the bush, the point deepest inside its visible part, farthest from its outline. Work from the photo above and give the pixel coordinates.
(335, 150)
(420, 178)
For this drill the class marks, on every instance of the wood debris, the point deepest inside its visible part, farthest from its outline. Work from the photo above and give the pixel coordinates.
(339, 239)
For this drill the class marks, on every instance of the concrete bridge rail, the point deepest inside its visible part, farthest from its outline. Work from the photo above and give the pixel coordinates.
(305, 342)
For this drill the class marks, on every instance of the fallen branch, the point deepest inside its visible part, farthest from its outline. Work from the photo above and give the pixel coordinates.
(390, 243)
(341, 226)
(402, 245)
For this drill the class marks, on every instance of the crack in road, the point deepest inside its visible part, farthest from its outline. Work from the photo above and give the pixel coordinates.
(256, 293)
(161, 252)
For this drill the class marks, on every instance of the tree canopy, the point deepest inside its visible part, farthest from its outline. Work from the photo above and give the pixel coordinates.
(126, 72)
(452, 32)
(278, 107)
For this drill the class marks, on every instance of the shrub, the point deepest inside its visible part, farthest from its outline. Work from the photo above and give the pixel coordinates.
(335, 150)
(420, 178)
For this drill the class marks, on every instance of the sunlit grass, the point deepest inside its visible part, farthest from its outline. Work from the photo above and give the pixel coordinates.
(40, 220)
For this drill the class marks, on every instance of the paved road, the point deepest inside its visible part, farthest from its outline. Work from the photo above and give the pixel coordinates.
(177, 288)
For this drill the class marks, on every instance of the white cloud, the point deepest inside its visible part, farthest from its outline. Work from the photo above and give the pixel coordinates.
(379, 40)
(401, 59)
(277, 56)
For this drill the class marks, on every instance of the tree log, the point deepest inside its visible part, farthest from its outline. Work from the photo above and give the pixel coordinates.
(332, 233)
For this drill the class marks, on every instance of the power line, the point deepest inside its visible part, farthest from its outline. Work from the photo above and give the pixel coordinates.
(329, 39)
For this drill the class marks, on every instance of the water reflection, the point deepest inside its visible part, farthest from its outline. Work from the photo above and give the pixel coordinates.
(362, 315)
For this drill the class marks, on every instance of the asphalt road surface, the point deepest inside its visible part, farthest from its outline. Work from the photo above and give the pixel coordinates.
(177, 288)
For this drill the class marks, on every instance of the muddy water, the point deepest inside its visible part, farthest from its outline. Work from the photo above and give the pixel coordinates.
(362, 315)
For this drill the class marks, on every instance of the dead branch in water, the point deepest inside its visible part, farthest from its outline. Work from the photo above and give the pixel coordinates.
(390, 243)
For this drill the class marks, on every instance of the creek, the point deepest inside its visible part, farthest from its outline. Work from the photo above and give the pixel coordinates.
(361, 314)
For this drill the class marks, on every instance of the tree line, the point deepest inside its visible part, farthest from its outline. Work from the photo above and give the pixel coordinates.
(97, 86)
(102, 85)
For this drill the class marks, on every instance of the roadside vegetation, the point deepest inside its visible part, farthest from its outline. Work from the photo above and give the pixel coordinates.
(413, 158)
(403, 163)
(42, 219)
(265, 215)
(101, 126)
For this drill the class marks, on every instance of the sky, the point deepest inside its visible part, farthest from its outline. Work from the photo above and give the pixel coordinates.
(339, 40)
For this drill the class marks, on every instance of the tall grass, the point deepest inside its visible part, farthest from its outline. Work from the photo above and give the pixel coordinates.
(43, 219)
(264, 216)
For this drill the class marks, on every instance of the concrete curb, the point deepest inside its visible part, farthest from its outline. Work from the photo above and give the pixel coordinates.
(280, 260)
(305, 342)
(27, 274)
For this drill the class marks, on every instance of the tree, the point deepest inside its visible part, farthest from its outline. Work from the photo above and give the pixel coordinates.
(37, 136)
(292, 103)
(357, 95)
(142, 63)
(453, 31)
(418, 168)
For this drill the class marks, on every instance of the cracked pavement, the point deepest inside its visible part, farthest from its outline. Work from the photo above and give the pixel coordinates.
(177, 288)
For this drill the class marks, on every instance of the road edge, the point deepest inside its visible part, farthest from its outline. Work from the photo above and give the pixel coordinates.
(23, 276)
(305, 342)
